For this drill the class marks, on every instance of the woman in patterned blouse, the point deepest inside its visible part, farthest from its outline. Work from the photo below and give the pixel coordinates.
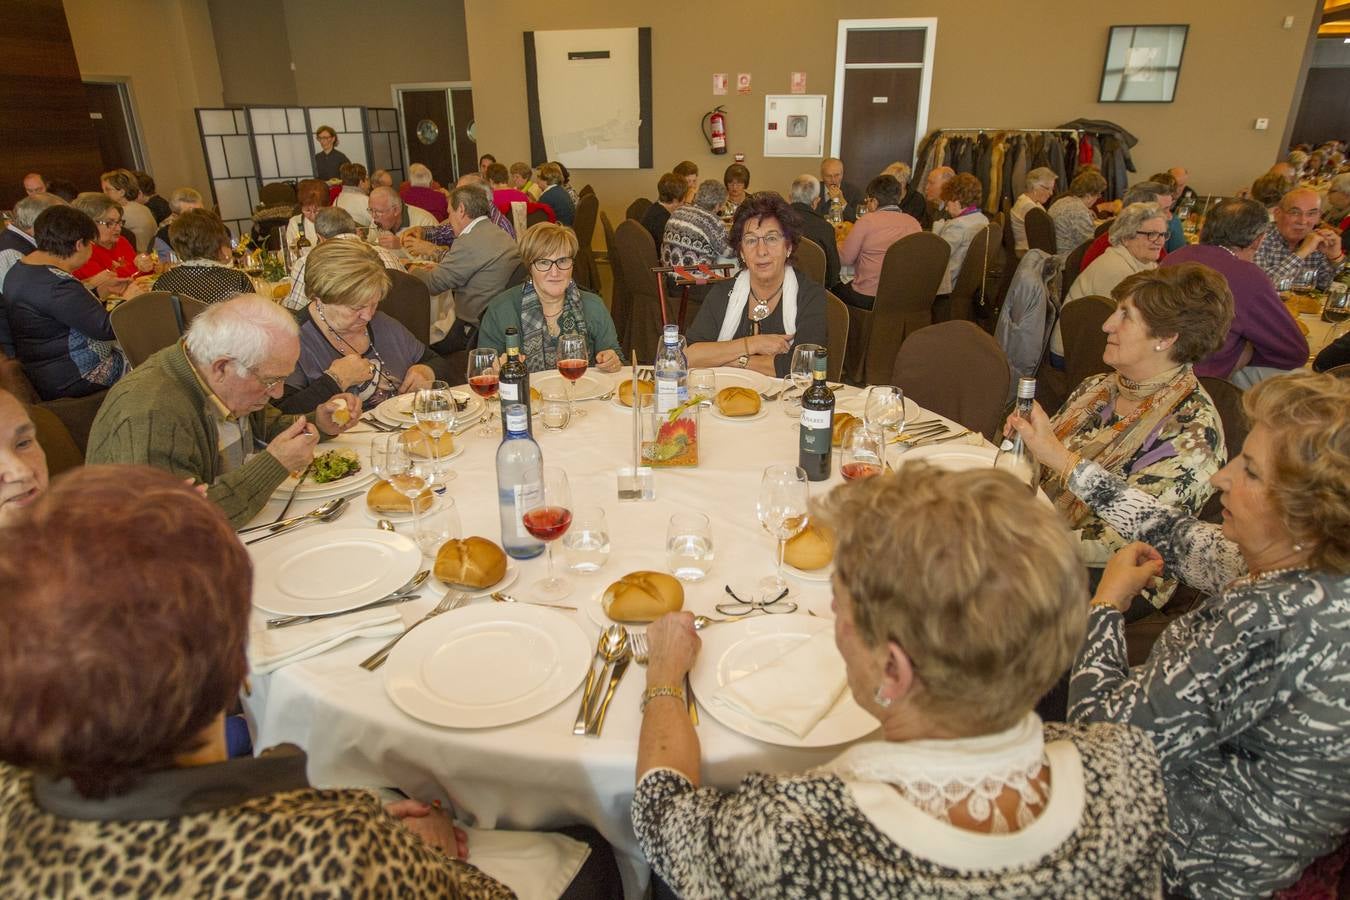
(964, 793)
(1247, 696)
(202, 242)
(1149, 421)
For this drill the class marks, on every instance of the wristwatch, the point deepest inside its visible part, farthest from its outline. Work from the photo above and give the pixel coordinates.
(742, 361)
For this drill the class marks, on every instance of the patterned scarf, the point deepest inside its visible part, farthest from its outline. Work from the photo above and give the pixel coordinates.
(1112, 447)
(540, 347)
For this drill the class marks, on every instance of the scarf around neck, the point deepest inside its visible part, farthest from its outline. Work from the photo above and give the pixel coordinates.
(740, 296)
(539, 347)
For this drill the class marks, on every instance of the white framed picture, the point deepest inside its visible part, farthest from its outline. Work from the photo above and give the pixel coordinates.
(1143, 63)
(794, 125)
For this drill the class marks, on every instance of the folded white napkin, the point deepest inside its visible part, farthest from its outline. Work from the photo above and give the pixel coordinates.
(536, 865)
(794, 692)
(272, 648)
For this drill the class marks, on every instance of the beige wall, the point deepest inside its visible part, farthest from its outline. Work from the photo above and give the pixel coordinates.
(254, 52)
(165, 52)
(351, 52)
(1034, 63)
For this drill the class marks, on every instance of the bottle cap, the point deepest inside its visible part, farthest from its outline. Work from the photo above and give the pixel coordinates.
(516, 419)
(1026, 388)
(672, 334)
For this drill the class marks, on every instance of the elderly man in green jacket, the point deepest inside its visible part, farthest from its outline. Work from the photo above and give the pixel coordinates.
(200, 408)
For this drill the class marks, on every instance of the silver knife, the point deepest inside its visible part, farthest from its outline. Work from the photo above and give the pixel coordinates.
(287, 621)
(941, 440)
(579, 726)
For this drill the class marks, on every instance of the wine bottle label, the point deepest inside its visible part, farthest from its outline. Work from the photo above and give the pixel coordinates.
(818, 418)
(509, 391)
(527, 496)
(817, 430)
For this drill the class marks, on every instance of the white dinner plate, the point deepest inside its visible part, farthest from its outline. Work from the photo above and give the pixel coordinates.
(718, 414)
(588, 387)
(312, 489)
(487, 665)
(507, 579)
(332, 570)
(957, 457)
(822, 574)
(398, 410)
(736, 649)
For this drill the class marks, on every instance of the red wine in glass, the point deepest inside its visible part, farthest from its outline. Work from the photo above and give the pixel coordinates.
(548, 523)
(484, 385)
(854, 470)
(572, 369)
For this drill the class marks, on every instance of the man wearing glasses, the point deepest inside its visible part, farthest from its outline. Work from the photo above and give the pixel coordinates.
(1298, 250)
(479, 265)
(201, 408)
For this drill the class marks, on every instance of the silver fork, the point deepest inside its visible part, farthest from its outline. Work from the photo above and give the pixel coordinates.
(637, 643)
(450, 601)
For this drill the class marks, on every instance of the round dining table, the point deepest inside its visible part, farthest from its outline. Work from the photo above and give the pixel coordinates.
(536, 774)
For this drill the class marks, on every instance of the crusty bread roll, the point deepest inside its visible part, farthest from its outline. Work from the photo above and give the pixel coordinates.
(474, 563)
(281, 290)
(737, 401)
(812, 549)
(535, 396)
(626, 390)
(843, 424)
(382, 499)
(419, 444)
(643, 597)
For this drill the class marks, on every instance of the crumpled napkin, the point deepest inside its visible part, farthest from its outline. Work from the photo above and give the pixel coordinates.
(272, 648)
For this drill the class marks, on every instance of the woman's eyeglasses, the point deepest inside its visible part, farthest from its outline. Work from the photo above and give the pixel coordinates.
(564, 264)
(109, 223)
(1152, 236)
(770, 240)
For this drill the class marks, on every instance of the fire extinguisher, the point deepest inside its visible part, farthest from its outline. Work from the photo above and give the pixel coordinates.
(716, 136)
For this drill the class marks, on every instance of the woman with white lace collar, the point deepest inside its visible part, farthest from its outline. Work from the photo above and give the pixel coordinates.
(755, 319)
(965, 790)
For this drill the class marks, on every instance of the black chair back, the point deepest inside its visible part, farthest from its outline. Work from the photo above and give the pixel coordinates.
(956, 370)
(637, 209)
(1080, 325)
(409, 303)
(975, 284)
(636, 257)
(809, 259)
(1073, 267)
(1040, 230)
(910, 275)
(585, 271)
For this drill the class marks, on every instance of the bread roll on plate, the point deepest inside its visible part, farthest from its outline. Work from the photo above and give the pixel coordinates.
(625, 394)
(382, 498)
(643, 597)
(812, 549)
(844, 423)
(420, 444)
(737, 401)
(473, 563)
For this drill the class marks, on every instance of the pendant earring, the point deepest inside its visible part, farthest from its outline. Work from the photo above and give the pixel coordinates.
(881, 699)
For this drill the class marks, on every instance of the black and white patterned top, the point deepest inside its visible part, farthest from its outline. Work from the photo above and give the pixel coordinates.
(804, 836)
(205, 281)
(1246, 697)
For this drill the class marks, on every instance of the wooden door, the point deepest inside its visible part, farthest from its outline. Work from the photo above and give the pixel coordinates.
(428, 134)
(880, 109)
(113, 132)
(466, 151)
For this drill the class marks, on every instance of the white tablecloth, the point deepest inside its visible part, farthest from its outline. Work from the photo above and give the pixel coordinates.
(537, 774)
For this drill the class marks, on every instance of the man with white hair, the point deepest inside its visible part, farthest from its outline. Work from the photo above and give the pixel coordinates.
(932, 193)
(388, 211)
(17, 240)
(803, 192)
(354, 196)
(331, 223)
(200, 408)
(420, 191)
(1040, 188)
(381, 178)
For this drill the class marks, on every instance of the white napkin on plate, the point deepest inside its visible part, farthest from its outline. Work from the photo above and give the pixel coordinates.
(272, 648)
(795, 691)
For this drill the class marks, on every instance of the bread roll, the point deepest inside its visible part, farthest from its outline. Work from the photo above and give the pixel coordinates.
(535, 396)
(737, 401)
(419, 444)
(643, 597)
(281, 290)
(645, 388)
(843, 424)
(382, 499)
(812, 549)
(474, 563)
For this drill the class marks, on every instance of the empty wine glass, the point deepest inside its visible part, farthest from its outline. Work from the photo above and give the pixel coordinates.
(1337, 308)
(863, 453)
(799, 373)
(555, 408)
(573, 359)
(884, 411)
(392, 461)
(782, 506)
(547, 518)
(483, 381)
(434, 412)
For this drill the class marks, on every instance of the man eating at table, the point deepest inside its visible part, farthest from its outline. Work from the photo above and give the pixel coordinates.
(199, 408)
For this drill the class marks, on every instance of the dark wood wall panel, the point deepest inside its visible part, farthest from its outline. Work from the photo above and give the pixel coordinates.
(44, 115)
(1324, 112)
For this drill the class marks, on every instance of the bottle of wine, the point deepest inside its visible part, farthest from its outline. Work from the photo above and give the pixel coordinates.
(671, 369)
(1013, 455)
(302, 243)
(815, 451)
(520, 480)
(513, 384)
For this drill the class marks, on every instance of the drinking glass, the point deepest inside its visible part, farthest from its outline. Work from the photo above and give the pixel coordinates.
(483, 381)
(782, 507)
(586, 544)
(547, 518)
(391, 461)
(1337, 308)
(883, 411)
(863, 452)
(703, 382)
(145, 263)
(438, 525)
(572, 362)
(799, 373)
(555, 408)
(689, 546)
(434, 412)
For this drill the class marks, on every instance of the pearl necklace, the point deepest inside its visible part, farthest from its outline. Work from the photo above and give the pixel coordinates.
(1254, 577)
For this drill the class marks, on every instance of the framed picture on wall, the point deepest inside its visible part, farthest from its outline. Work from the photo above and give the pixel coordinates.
(1142, 63)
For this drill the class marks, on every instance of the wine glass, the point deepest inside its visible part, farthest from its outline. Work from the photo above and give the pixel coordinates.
(572, 362)
(863, 453)
(391, 459)
(483, 381)
(884, 410)
(1337, 308)
(434, 412)
(782, 507)
(547, 515)
(800, 374)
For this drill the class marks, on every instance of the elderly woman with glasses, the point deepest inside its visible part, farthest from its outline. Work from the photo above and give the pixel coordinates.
(311, 196)
(549, 304)
(754, 320)
(112, 258)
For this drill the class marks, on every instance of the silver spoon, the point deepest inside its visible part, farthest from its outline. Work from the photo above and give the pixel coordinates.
(501, 597)
(338, 509)
(315, 513)
(616, 645)
(384, 525)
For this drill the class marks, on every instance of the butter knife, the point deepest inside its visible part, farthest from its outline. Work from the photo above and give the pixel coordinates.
(579, 726)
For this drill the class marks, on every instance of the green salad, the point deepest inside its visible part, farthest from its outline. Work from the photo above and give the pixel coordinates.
(333, 465)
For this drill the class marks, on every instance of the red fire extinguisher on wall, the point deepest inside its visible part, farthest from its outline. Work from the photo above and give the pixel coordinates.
(715, 129)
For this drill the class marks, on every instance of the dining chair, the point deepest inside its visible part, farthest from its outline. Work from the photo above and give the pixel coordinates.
(836, 323)
(277, 193)
(1102, 227)
(1341, 371)
(636, 257)
(1040, 230)
(77, 414)
(1073, 267)
(585, 189)
(620, 300)
(1080, 325)
(152, 321)
(1227, 399)
(637, 209)
(534, 217)
(974, 285)
(56, 441)
(409, 303)
(584, 270)
(809, 258)
(910, 275)
(956, 370)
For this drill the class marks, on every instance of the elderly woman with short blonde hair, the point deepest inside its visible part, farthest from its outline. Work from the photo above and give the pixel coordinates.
(964, 788)
(549, 304)
(346, 344)
(1072, 213)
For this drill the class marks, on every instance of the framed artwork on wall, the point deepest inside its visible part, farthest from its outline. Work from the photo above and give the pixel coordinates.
(1142, 63)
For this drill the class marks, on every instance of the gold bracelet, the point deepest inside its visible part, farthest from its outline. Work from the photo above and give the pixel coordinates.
(664, 690)
(1069, 465)
(1103, 604)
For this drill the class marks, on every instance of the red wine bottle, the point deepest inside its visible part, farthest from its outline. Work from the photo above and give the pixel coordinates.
(514, 380)
(815, 451)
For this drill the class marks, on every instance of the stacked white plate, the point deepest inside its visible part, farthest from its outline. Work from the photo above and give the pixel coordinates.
(398, 410)
(313, 490)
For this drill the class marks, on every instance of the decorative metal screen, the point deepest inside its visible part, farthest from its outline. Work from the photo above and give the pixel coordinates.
(230, 164)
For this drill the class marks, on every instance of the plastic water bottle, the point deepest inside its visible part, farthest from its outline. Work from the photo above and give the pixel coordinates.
(672, 372)
(520, 483)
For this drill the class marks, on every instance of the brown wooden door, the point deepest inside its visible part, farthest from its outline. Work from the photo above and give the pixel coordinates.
(113, 131)
(435, 152)
(466, 151)
(881, 107)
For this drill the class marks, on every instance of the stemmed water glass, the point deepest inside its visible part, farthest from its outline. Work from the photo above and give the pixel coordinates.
(572, 361)
(483, 381)
(800, 374)
(392, 460)
(782, 507)
(434, 412)
(547, 517)
(884, 411)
